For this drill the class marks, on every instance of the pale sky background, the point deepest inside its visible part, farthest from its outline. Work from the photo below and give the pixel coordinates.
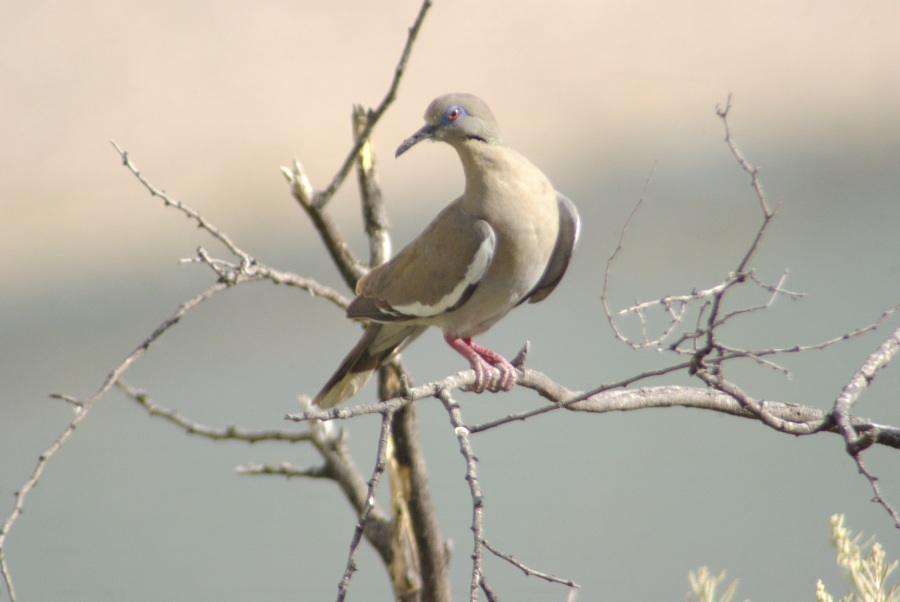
(210, 98)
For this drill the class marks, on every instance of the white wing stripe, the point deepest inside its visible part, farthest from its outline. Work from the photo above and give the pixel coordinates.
(480, 262)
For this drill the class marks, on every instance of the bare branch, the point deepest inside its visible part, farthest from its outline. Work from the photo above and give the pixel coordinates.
(249, 269)
(465, 448)
(81, 412)
(340, 467)
(795, 418)
(285, 469)
(380, 465)
(612, 258)
(229, 433)
(190, 213)
(313, 201)
(411, 498)
(861, 380)
(375, 218)
(348, 265)
(320, 199)
(745, 165)
(563, 397)
(529, 571)
(759, 409)
(857, 443)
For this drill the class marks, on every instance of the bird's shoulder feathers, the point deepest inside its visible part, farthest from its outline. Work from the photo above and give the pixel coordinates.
(436, 273)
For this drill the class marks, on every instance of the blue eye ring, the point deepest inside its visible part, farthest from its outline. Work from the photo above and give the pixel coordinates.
(453, 113)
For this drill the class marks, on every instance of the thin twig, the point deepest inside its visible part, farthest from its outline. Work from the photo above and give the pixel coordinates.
(741, 272)
(612, 258)
(528, 570)
(320, 199)
(229, 433)
(286, 470)
(380, 465)
(81, 413)
(465, 448)
(742, 161)
(851, 393)
(190, 213)
(249, 269)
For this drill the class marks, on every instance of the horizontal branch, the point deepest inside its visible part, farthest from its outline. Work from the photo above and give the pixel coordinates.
(191, 427)
(284, 469)
(616, 400)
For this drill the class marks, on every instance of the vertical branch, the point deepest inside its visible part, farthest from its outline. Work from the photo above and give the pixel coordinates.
(418, 566)
(465, 448)
(340, 467)
(375, 218)
(740, 272)
(856, 443)
(380, 464)
(432, 555)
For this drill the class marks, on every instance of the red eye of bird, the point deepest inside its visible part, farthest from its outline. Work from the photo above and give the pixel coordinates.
(453, 114)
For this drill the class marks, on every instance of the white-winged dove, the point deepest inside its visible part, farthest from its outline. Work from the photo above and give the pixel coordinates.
(508, 239)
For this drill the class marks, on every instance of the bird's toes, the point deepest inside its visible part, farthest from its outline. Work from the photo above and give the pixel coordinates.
(482, 377)
(495, 382)
(500, 376)
(507, 377)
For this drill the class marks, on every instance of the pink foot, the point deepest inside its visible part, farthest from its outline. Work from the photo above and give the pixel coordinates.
(492, 371)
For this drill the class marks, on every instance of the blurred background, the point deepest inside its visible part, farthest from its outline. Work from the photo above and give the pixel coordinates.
(210, 98)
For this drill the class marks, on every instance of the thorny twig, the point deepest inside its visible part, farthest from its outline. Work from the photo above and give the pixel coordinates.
(465, 448)
(191, 427)
(857, 442)
(479, 543)
(711, 298)
(248, 269)
(82, 409)
(313, 201)
(321, 198)
(380, 465)
(528, 570)
(190, 213)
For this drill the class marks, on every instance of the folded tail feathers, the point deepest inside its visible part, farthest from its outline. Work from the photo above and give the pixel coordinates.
(342, 389)
(377, 345)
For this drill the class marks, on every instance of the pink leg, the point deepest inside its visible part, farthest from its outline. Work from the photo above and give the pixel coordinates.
(492, 371)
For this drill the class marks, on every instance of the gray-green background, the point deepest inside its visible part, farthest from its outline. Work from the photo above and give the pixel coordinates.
(211, 98)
